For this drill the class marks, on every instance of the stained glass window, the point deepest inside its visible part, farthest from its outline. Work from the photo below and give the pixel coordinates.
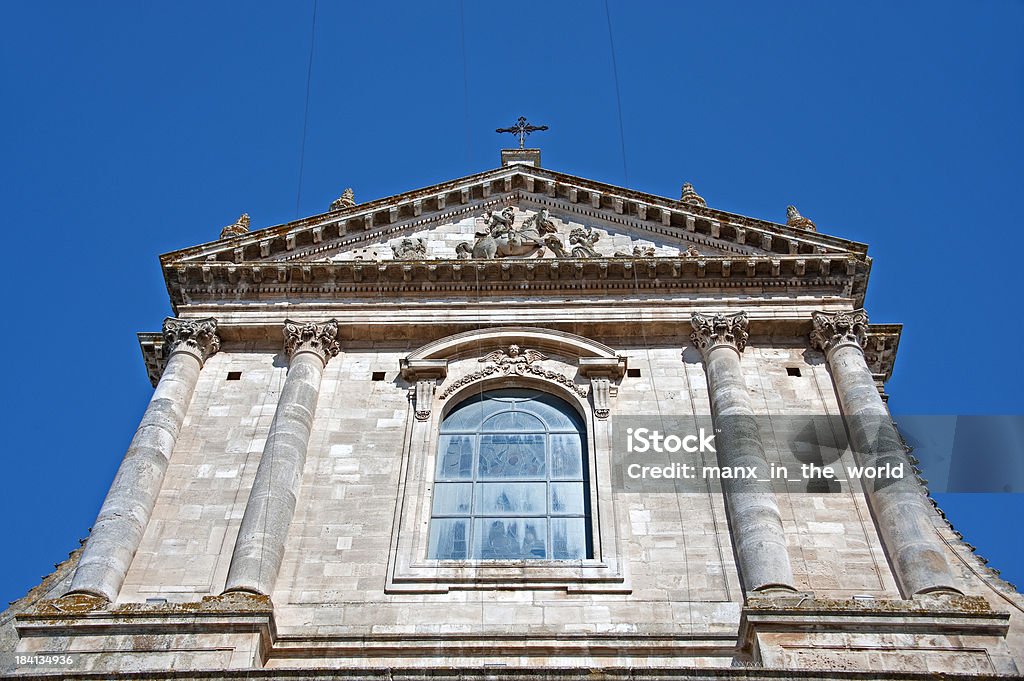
(510, 482)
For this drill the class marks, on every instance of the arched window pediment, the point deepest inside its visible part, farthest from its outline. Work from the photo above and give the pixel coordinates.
(517, 352)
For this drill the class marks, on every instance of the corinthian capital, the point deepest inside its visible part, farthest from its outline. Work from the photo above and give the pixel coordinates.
(720, 329)
(832, 330)
(197, 337)
(320, 339)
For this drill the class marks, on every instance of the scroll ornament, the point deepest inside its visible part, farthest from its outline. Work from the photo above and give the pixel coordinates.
(514, 361)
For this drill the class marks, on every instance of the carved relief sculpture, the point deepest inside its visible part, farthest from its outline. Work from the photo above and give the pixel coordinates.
(582, 242)
(499, 238)
(410, 249)
(514, 361)
(638, 252)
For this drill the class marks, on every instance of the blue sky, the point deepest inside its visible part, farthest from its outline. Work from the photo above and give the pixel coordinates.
(133, 129)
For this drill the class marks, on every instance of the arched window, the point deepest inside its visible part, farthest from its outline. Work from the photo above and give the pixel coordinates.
(510, 482)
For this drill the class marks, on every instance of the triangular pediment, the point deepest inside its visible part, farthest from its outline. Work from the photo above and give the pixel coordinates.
(419, 240)
(447, 214)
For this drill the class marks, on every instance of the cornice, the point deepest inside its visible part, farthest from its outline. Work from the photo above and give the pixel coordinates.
(880, 350)
(229, 282)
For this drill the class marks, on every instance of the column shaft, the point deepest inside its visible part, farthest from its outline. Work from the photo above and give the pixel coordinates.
(907, 534)
(753, 510)
(259, 549)
(122, 520)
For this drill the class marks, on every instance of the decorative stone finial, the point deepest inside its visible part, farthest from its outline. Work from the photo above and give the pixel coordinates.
(346, 200)
(691, 197)
(240, 226)
(197, 337)
(719, 329)
(794, 219)
(832, 330)
(320, 339)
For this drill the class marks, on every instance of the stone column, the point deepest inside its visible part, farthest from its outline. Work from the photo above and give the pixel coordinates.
(118, 530)
(899, 507)
(259, 548)
(752, 507)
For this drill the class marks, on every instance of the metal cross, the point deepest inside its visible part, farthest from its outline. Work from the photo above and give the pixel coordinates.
(522, 129)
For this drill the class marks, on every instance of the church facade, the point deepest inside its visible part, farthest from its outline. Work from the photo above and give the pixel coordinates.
(386, 439)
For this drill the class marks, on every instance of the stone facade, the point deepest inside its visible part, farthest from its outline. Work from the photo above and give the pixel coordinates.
(272, 513)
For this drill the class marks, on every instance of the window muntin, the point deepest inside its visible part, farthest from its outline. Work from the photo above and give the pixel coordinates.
(510, 480)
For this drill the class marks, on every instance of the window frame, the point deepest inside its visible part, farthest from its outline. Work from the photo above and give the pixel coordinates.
(411, 571)
(517, 402)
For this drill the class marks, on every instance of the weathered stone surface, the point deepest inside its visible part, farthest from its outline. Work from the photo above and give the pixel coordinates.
(125, 512)
(918, 558)
(259, 548)
(303, 485)
(758, 532)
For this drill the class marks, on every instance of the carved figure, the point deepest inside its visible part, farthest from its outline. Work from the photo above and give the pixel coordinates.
(794, 219)
(240, 226)
(514, 355)
(555, 244)
(582, 242)
(500, 239)
(409, 249)
(691, 252)
(543, 222)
